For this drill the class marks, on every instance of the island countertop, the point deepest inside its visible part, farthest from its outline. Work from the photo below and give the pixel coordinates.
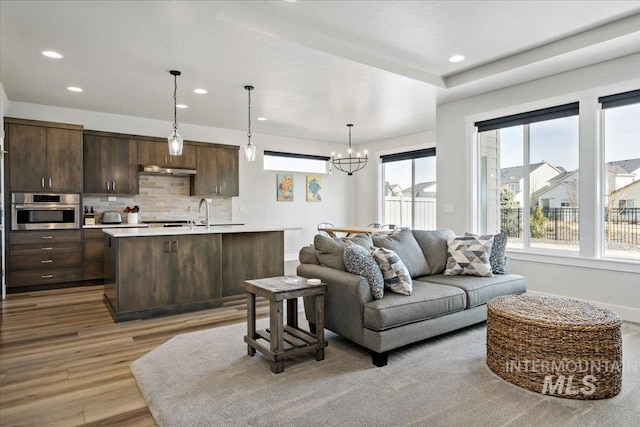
(174, 231)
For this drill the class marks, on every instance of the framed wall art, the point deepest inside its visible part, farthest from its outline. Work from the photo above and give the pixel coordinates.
(284, 188)
(314, 185)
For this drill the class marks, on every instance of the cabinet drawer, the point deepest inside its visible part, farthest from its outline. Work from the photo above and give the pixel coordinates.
(40, 248)
(93, 269)
(44, 261)
(92, 233)
(25, 237)
(43, 277)
(93, 249)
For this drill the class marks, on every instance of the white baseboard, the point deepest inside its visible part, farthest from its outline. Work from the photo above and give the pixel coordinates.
(629, 314)
(291, 257)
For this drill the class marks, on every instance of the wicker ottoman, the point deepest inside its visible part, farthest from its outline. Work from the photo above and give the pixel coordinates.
(555, 346)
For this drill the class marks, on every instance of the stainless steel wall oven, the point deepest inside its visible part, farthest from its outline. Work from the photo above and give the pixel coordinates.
(39, 211)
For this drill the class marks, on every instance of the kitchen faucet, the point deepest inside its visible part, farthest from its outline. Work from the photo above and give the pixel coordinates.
(207, 211)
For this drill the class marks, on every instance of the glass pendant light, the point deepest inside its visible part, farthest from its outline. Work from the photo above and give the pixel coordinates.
(248, 148)
(175, 140)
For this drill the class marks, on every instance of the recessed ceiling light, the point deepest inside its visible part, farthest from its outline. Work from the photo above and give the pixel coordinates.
(200, 91)
(52, 54)
(457, 58)
(262, 118)
(182, 106)
(74, 89)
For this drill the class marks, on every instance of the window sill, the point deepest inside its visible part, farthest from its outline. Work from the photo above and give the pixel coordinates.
(627, 266)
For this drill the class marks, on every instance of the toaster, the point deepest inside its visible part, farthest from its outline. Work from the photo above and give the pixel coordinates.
(111, 217)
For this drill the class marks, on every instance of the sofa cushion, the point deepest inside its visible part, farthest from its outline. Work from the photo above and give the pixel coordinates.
(469, 256)
(394, 272)
(308, 255)
(330, 251)
(427, 301)
(480, 290)
(434, 245)
(404, 244)
(497, 259)
(358, 260)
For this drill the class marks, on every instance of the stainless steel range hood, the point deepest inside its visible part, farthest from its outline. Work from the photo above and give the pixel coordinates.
(163, 170)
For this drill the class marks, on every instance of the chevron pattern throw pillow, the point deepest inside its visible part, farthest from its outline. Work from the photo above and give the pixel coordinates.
(469, 255)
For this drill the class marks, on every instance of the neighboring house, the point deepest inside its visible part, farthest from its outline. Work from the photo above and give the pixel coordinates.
(560, 192)
(423, 190)
(540, 175)
(622, 173)
(392, 189)
(625, 199)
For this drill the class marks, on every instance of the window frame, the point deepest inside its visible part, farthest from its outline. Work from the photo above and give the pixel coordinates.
(591, 154)
(410, 154)
(282, 154)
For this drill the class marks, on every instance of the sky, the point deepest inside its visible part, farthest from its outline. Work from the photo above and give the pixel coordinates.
(556, 141)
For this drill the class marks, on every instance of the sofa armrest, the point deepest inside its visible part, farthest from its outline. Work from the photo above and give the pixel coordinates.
(344, 301)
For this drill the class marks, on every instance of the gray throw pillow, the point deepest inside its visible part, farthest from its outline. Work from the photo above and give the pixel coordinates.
(469, 256)
(434, 244)
(395, 274)
(330, 251)
(498, 258)
(405, 245)
(359, 261)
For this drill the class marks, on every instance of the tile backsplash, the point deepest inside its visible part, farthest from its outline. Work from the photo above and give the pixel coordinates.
(163, 198)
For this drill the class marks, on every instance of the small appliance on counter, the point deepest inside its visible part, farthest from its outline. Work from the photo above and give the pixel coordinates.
(89, 216)
(111, 217)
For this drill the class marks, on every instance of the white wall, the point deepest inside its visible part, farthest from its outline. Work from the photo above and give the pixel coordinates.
(368, 181)
(257, 186)
(597, 281)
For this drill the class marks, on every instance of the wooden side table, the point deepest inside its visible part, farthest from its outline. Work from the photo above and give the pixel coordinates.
(290, 339)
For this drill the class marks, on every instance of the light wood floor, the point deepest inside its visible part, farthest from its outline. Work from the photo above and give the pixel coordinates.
(64, 362)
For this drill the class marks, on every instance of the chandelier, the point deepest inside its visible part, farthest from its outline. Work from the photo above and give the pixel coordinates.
(175, 140)
(349, 164)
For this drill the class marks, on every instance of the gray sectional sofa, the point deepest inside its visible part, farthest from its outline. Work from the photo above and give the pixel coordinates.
(438, 303)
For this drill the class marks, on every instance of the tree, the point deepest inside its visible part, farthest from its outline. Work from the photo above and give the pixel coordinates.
(507, 198)
(538, 223)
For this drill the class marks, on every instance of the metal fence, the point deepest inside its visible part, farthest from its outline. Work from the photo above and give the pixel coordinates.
(621, 225)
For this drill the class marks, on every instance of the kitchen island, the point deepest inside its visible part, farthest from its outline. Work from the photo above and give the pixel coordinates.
(160, 271)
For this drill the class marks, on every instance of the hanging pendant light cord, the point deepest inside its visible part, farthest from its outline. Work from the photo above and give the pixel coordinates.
(249, 132)
(175, 102)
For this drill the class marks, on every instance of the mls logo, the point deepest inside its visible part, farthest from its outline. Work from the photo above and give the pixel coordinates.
(565, 385)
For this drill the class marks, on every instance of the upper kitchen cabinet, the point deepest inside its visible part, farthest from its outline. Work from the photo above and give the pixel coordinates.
(217, 172)
(43, 156)
(157, 154)
(110, 164)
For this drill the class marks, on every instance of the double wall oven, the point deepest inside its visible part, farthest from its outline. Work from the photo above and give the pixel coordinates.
(45, 211)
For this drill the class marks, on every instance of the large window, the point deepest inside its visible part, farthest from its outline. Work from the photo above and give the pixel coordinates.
(409, 189)
(621, 198)
(529, 178)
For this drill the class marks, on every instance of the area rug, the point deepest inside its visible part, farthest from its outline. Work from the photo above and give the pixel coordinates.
(206, 378)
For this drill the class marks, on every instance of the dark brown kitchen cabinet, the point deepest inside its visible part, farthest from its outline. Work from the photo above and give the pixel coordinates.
(218, 173)
(157, 154)
(248, 256)
(162, 274)
(92, 254)
(44, 257)
(110, 164)
(43, 156)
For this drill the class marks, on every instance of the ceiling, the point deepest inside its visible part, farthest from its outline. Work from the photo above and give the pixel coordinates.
(315, 65)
